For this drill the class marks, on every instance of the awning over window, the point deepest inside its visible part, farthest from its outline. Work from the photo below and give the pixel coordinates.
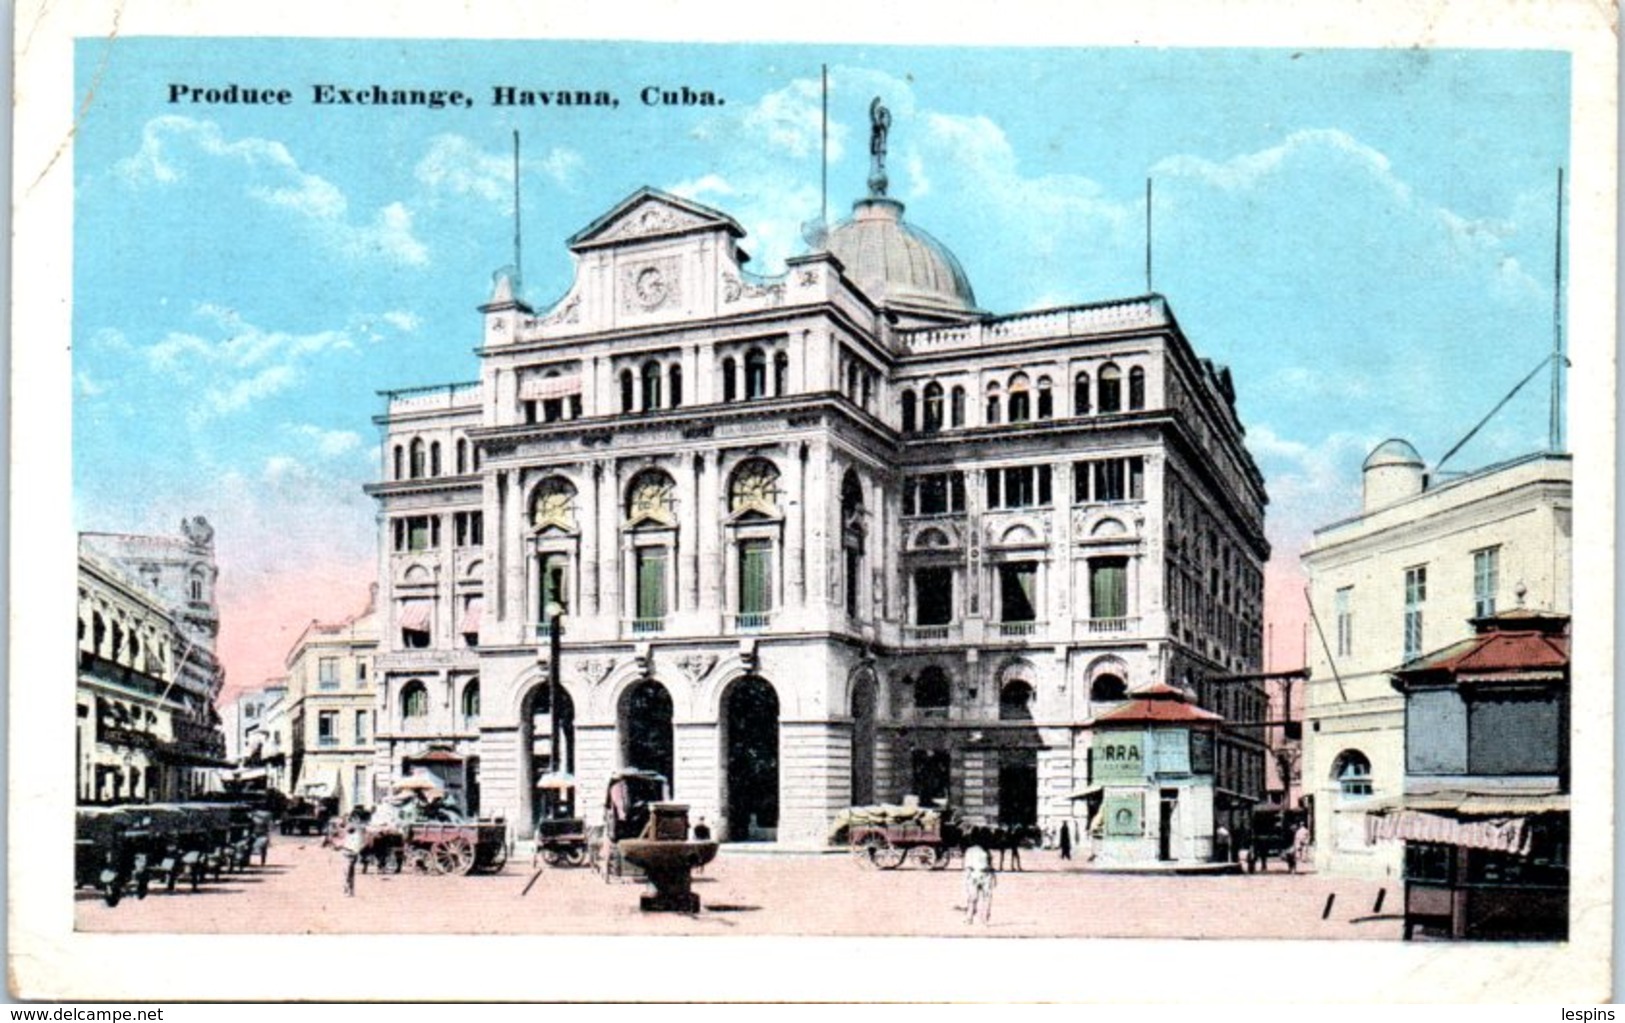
(1507, 835)
(415, 615)
(471, 616)
(534, 387)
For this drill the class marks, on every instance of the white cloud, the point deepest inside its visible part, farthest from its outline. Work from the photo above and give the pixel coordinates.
(328, 443)
(170, 152)
(401, 320)
(699, 188)
(456, 165)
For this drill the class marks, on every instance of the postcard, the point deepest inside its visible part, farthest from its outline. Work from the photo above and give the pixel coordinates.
(991, 505)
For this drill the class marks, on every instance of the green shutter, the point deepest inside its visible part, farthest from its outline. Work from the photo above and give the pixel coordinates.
(1108, 591)
(651, 583)
(755, 578)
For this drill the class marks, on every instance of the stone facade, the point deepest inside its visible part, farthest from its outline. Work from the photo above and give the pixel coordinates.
(331, 708)
(814, 545)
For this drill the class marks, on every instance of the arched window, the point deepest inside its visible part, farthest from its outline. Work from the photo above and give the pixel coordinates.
(853, 542)
(730, 386)
(651, 385)
(650, 497)
(674, 385)
(933, 407)
(908, 411)
(754, 487)
(434, 459)
(1021, 408)
(755, 374)
(1080, 394)
(462, 456)
(932, 693)
(1016, 701)
(956, 407)
(1136, 388)
(419, 458)
(400, 462)
(414, 700)
(628, 394)
(471, 702)
(781, 374)
(993, 403)
(1111, 388)
(1046, 399)
(197, 585)
(1352, 771)
(1108, 689)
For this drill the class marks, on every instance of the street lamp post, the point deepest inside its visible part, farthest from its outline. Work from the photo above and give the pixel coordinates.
(555, 628)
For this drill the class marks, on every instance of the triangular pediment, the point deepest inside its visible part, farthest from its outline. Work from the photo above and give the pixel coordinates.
(651, 213)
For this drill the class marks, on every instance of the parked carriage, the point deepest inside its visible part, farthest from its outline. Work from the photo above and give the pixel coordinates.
(112, 850)
(889, 836)
(627, 801)
(562, 842)
(456, 846)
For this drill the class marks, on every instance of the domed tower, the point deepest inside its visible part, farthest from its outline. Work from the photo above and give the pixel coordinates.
(1391, 473)
(900, 267)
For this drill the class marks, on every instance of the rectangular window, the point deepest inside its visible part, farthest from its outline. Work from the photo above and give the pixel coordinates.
(934, 494)
(1416, 594)
(1109, 479)
(651, 584)
(854, 564)
(1486, 579)
(755, 582)
(1345, 621)
(555, 583)
(417, 533)
(327, 672)
(469, 528)
(327, 728)
(360, 673)
(358, 791)
(360, 728)
(933, 595)
(1022, 486)
(1108, 588)
(1018, 592)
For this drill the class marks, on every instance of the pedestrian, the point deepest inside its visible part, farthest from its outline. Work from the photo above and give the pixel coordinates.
(1221, 844)
(1066, 840)
(979, 882)
(354, 841)
(1300, 847)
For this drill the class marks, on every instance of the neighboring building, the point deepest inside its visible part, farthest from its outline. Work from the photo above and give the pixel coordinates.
(179, 572)
(829, 538)
(1484, 817)
(248, 715)
(126, 695)
(272, 745)
(331, 709)
(1405, 576)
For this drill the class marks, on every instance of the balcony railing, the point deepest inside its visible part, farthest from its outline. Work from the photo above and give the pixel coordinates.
(1018, 628)
(1110, 625)
(648, 626)
(928, 633)
(327, 740)
(752, 621)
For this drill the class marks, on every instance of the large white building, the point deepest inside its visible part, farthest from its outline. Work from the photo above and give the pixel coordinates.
(1405, 577)
(330, 709)
(832, 537)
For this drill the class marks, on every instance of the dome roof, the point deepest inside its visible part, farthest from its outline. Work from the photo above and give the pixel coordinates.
(897, 264)
(1393, 452)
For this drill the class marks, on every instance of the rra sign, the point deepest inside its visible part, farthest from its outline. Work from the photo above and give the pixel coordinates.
(1120, 756)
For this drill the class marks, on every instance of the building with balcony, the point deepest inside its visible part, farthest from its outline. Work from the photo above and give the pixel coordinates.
(147, 675)
(330, 709)
(1409, 574)
(828, 538)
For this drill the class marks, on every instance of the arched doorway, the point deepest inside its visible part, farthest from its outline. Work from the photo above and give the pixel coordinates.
(536, 742)
(750, 712)
(863, 738)
(645, 728)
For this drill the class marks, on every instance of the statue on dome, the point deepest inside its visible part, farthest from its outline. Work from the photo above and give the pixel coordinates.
(879, 125)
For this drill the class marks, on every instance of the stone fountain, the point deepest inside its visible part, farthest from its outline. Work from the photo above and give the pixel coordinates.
(668, 859)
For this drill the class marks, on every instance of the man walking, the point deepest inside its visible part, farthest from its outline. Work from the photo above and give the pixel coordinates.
(350, 848)
(1300, 847)
(979, 882)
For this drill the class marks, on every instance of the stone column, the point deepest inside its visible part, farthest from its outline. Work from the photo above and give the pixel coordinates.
(814, 779)
(587, 521)
(821, 544)
(795, 498)
(708, 512)
(698, 756)
(690, 513)
(608, 562)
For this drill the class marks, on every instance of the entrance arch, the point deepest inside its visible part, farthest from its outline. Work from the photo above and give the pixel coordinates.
(750, 748)
(644, 724)
(535, 745)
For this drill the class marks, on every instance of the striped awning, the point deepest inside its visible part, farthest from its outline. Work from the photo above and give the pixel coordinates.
(535, 387)
(415, 615)
(1507, 835)
(471, 616)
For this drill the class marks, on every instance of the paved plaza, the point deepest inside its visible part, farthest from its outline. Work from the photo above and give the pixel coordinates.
(756, 892)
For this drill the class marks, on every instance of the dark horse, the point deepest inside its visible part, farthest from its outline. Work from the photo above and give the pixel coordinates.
(999, 840)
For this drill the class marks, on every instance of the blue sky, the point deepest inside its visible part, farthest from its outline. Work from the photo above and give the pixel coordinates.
(1365, 237)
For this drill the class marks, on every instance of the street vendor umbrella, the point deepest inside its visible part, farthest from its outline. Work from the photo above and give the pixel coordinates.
(416, 783)
(558, 782)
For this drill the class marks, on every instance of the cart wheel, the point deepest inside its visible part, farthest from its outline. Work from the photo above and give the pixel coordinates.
(420, 861)
(923, 856)
(499, 859)
(454, 856)
(889, 857)
(576, 856)
(551, 857)
(865, 852)
(944, 854)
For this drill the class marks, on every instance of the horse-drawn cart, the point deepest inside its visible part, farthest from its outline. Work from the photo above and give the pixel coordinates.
(889, 836)
(456, 847)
